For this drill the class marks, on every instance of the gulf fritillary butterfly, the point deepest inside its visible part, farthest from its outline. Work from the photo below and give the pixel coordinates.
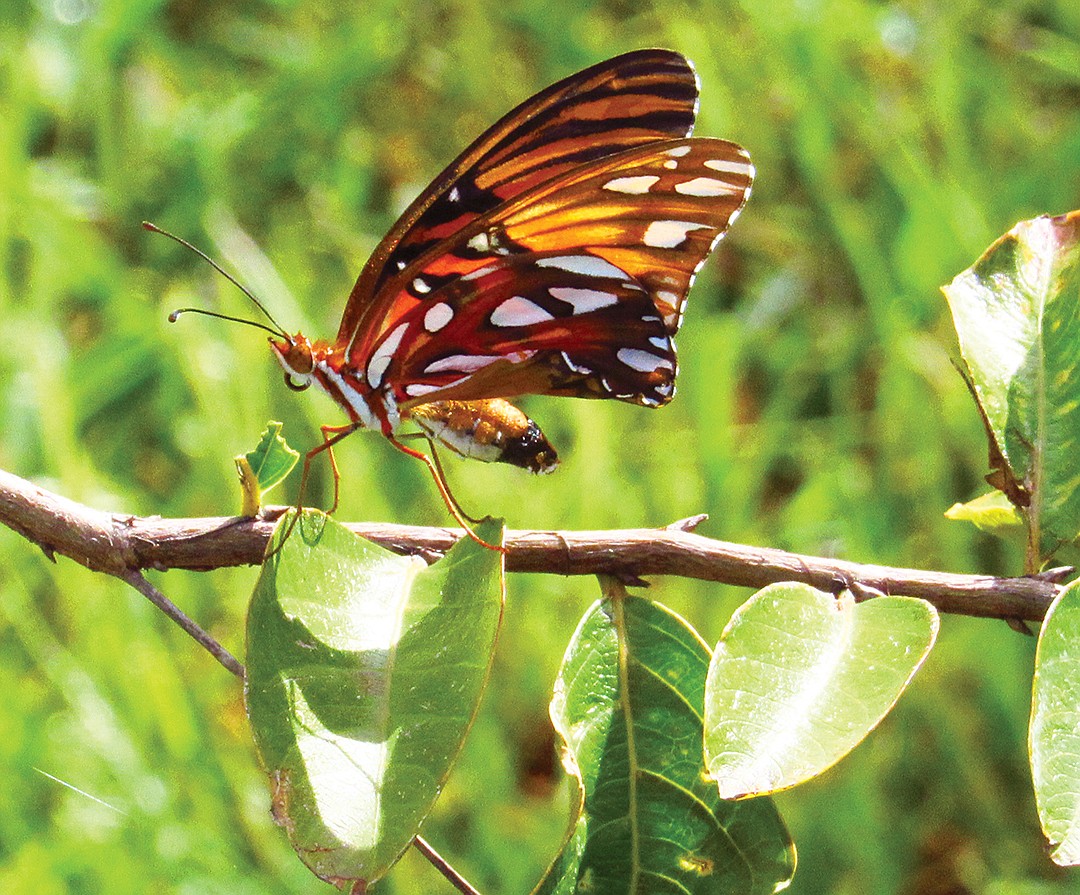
(552, 257)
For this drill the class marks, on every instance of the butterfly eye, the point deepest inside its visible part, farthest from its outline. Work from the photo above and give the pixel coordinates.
(297, 385)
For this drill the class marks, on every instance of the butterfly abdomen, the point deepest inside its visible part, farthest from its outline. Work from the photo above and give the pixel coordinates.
(493, 430)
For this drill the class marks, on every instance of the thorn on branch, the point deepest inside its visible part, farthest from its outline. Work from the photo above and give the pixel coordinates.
(1056, 575)
(629, 579)
(687, 524)
(428, 556)
(273, 513)
(862, 592)
(1019, 626)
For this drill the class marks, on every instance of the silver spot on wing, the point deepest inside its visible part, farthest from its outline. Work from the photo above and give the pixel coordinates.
(380, 360)
(669, 234)
(518, 311)
(437, 316)
(705, 187)
(633, 186)
(584, 300)
(587, 265)
(642, 361)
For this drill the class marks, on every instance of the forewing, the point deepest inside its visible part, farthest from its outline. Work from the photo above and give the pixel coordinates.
(653, 213)
(550, 323)
(636, 98)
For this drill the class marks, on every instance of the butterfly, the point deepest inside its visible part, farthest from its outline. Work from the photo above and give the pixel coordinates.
(552, 257)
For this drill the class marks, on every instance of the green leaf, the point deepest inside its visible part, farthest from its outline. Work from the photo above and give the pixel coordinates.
(1017, 315)
(272, 459)
(364, 672)
(627, 704)
(1054, 735)
(800, 677)
(993, 513)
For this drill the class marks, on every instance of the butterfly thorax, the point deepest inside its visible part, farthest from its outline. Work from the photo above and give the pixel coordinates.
(306, 362)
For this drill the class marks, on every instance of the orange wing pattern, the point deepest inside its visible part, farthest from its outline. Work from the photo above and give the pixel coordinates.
(535, 324)
(633, 99)
(574, 288)
(554, 256)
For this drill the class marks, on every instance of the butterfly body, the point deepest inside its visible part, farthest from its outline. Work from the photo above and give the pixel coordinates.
(492, 430)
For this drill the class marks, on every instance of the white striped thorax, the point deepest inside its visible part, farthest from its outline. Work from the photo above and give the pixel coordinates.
(306, 362)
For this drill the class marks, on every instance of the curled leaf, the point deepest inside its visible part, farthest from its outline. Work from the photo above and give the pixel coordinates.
(993, 513)
(364, 672)
(265, 466)
(1017, 316)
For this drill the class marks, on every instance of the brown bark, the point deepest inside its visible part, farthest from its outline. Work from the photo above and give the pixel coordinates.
(124, 545)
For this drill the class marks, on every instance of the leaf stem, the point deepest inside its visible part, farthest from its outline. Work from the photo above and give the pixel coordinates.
(136, 579)
(439, 863)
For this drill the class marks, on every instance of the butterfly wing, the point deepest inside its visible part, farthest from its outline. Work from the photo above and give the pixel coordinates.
(574, 288)
(535, 324)
(655, 213)
(633, 99)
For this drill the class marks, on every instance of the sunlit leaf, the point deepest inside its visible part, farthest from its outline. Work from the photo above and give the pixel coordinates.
(800, 677)
(1017, 315)
(627, 705)
(993, 513)
(1054, 736)
(364, 671)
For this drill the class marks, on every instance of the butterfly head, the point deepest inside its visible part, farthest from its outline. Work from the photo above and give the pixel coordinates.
(297, 355)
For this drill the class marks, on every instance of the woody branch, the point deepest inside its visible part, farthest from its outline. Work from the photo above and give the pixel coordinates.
(124, 546)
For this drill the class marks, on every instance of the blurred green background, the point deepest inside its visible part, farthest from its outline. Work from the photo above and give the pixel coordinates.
(817, 411)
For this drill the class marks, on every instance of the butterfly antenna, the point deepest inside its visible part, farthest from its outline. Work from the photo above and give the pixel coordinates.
(175, 314)
(278, 330)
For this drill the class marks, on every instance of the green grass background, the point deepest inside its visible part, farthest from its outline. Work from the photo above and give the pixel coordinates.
(817, 410)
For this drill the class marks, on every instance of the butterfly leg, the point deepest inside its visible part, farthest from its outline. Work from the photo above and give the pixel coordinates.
(442, 475)
(438, 465)
(331, 436)
(444, 491)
